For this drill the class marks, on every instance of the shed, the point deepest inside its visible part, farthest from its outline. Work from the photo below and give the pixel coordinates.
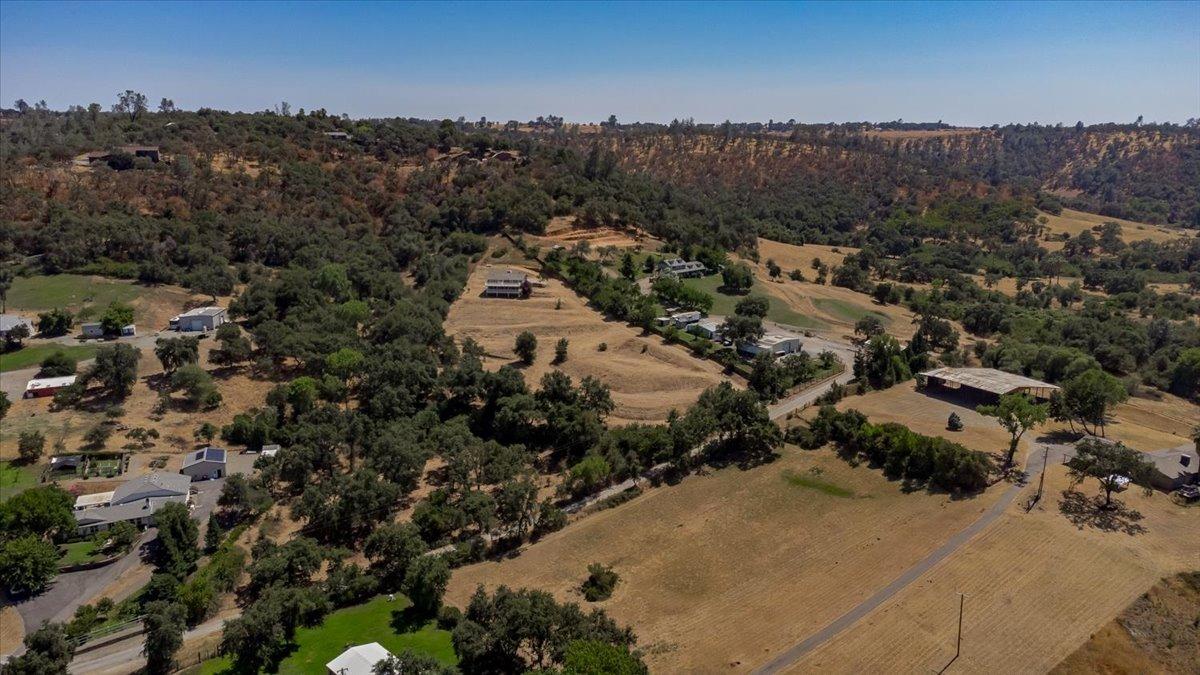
(204, 464)
(270, 450)
(47, 386)
(358, 660)
(987, 380)
(93, 330)
(200, 319)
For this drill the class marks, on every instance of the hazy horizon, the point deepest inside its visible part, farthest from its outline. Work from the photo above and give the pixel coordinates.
(973, 64)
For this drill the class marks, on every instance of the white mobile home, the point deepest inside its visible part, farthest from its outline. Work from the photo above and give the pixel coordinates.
(684, 319)
(772, 344)
(706, 328)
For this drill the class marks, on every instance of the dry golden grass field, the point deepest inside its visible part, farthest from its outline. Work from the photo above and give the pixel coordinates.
(1142, 424)
(648, 378)
(1037, 586)
(1158, 633)
(726, 569)
(1074, 222)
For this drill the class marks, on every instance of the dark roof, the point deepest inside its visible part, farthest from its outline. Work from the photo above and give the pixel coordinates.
(170, 482)
(209, 454)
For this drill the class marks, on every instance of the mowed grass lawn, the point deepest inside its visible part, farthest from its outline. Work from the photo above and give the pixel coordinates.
(40, 293)
(16, 478)
(375, 621)
(78, 552)
(32, 355)
(778, 311)
(848, 311)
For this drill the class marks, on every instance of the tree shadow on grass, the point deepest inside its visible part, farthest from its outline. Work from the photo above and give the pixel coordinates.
(1089, 512)
(407, 620)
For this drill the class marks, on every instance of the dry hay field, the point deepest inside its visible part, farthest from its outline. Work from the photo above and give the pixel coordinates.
(724, 570)
(1037, 586)
(1158, 633)
(836, 306)
(1074, 222)
(562, 231)
(1143, 424)
(647, 378)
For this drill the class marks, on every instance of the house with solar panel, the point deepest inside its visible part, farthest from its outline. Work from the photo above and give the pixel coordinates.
(204, 464)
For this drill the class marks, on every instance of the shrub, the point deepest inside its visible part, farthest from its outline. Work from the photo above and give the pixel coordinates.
(600, 582)
(954, 423)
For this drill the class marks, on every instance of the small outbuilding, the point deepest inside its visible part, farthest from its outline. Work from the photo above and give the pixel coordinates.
(986, 380)
(47, 386)
(270, 450)
(358, 660)
(204, 464)
(199, 319)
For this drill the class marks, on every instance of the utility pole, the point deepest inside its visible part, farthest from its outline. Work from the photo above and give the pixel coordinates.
(1042, 480)
(958, 647)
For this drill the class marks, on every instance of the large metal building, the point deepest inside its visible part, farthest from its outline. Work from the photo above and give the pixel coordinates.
(986, 380)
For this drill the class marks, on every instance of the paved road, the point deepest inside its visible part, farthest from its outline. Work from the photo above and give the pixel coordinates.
(128, 658)
(1033, 466)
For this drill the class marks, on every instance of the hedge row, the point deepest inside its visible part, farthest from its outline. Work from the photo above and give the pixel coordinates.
(901, 452)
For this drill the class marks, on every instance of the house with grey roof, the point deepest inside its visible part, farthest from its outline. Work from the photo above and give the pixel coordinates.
(134, 502)
(682, 268)
(507, 283)
(10, 321)
(204, 464)
(1175, 468)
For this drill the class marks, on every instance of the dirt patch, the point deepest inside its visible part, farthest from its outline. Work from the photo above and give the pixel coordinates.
(563, 231)
(1158, 633)
(648, 379)
(1037, 586)
(724, 569)
(12, 629)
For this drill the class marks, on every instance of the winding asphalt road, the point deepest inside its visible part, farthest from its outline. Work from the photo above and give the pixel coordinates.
(1033, 465)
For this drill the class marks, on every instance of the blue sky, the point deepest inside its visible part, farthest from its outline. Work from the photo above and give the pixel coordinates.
(970, 63)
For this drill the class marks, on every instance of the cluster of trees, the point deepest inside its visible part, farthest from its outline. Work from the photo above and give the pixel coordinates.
(32, 522)
(899, 451)
(521, 630)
